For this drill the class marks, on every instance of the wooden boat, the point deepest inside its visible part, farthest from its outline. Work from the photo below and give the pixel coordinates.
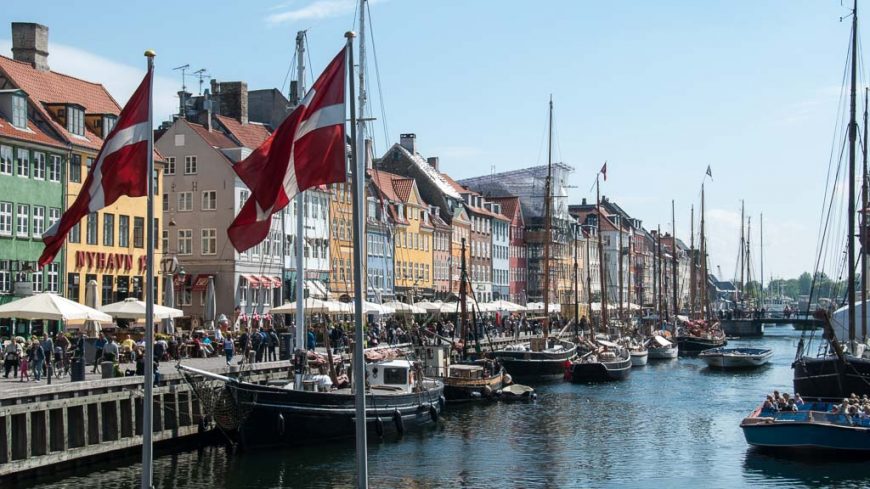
(639, 356)
(540, 359)
(695, 337)
(813, 428)
(743, 328)
(397, 398)
(604, 363)
(517, 392)
(463, 381)
(736, 358)
(661, 348)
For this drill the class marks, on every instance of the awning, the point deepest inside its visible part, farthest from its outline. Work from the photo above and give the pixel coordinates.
(253, 281)
(265, 282)
(201, 283)
(277, 283)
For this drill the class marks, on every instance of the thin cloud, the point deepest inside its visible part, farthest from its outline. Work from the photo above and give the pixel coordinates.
(118, 78)
(320, 9)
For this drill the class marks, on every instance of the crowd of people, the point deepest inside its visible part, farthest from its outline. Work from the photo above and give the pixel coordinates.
(29, 360)
(782, 402)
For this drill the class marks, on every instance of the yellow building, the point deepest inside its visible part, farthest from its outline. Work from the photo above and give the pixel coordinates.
(341, 241)
(109, 246)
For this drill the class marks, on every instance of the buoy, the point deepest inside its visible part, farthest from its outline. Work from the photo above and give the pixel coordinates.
(487, 391)
(399, 422)
(379, 427)
(433, 413)
(508, 380)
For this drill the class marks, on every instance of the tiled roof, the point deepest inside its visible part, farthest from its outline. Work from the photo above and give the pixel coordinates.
(456, 186)
(249, 135)
(45, 87)
(33, 135)
(509, 206)
(383, 181)
(215, 139)
(403, 187)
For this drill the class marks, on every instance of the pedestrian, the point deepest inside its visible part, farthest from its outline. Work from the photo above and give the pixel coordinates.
(258, 345)
(98, 357)
(312, 340)
(22, 367)
(47, 345)
(111, 352)
(37, 358)
(11, 358)
(273, 345)
(229, 348)
(245, 344)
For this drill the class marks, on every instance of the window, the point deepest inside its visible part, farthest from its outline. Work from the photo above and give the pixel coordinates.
(75, 120)
(138, 232)
(190, 165)
(91, 230)
(5, 160)
(165, 240)
(53, 216)
(6, 218)
(185, 241)
(75, 234)
(108, 282)
(37, 281)
(19, 111)
(72, 286)
(38, 221)
(209, 200)
(108, 124)
(52, 277)
(185, 201)
(108, 229)
(23, 163)
(23, 219)
(208, 242)
(5, 277)
(54, 168)
(75, 169)
(169, 169)
(123, 231)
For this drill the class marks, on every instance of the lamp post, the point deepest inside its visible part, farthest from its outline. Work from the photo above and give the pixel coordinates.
(169, 268)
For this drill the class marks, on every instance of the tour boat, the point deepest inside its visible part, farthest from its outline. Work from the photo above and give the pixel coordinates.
(660, 348)
(813, 428)
(277, 412)
(605, 362)
(736, 358)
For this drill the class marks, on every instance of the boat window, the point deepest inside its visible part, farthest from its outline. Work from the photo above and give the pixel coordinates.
(395, 376)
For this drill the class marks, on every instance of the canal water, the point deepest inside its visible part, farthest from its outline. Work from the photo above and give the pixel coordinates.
(672, 424)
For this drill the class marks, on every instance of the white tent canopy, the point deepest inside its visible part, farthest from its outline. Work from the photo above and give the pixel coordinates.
(401, 307)
(51, 307)
(502, 305)
(429, 306)
(539, 306)
(310, 305)
(132, 308)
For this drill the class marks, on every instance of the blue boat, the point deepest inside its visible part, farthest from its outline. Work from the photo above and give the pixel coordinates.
(814, 427)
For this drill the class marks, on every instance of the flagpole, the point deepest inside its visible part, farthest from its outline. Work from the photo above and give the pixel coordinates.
(358, 364)
(148, 402)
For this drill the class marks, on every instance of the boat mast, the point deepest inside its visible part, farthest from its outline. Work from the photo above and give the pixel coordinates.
(692, 281)
(300, 225)
(742, 254)
(674, 260)
(548, 225)
(602, 262)
(576, 283)
(589, 280)
(863, 241)
(619, 229)
(704, 298)
(656, 277)
(463, 294)
(748, 248)
(761, 252)
(853, 135)
(662, 273)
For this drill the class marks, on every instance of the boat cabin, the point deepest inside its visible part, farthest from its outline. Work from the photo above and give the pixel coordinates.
(395, 375)
(435, 358)
(467, 371)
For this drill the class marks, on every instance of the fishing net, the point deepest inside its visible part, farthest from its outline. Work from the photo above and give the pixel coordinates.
(228, 405)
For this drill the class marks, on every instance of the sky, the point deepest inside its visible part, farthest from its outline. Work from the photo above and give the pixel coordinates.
(659, 90)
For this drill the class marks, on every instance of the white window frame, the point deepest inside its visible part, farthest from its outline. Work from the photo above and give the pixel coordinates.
(38, 221)
(206, 203)
(185, 241)
(22, 163)
(190, 163)
(53, 216)
(19, 111)
(208, 241)
(169, 169)
(7, 159)
(52, 283)
(22, 220)
(54, 168)
(185, 202)
(6, 219)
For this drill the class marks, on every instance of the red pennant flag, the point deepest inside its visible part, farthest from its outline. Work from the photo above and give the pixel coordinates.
(604, 171)
(121, 169)
(307, 150)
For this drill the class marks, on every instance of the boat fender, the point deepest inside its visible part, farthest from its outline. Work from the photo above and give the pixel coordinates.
(433, 413)
(476, 395)
(280, 424)
(379, 427)
(201, 425)
(534, 396)
(399, 422)
(508, 380)
(442, 402)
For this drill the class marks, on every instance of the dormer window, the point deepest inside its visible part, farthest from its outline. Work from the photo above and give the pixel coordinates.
(75, 120)
(108, 124)
(19, 111)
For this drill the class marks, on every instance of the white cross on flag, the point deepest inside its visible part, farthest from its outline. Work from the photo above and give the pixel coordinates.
(307, 150)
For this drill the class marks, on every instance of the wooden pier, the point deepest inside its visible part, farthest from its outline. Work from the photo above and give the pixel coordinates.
(74, 422)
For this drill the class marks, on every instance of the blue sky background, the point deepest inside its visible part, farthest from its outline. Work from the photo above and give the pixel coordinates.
(659, 89)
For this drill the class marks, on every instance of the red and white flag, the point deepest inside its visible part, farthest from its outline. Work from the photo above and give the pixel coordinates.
(307, 150)
(121, 169)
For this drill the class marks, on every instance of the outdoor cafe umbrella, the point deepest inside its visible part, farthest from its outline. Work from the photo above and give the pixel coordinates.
(92, 300)
(132, 308)
(374, 308)
(401, 307)
(169, 301)
(210, 304)
(502, 305)
(310, 305)
(50, 307)
(428, 306)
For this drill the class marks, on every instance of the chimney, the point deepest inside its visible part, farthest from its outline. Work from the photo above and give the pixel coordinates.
(232, 99)
(433, 162)
(30, 44)
(409, 142)
(183, 97)
(584, 201)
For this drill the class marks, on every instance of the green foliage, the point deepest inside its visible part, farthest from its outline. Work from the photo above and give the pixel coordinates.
(794, 287)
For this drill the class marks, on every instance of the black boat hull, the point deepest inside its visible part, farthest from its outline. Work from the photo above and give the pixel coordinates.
(274, 416)
(828, 378)
(584, 373)
(537, 366)
(692, 346)
(458, 390)
(743, 328)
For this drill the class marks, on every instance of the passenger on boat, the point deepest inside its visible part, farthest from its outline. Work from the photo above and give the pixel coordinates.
(798, 400)
(791, 406)
(769, 404)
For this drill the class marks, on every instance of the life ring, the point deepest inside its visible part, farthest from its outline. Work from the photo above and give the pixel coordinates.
(399, 422)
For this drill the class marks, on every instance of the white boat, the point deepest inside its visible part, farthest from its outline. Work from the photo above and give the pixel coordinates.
(639, 356)
(734, 358)
(660, 348)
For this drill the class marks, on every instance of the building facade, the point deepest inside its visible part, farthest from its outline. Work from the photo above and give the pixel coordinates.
(379, 247)
(315, 235)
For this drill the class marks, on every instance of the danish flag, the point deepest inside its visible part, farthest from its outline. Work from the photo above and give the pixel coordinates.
(307, 150)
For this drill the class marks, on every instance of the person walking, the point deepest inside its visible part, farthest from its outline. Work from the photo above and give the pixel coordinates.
(273, 345)
(23, 369)
(37, 359)
(98, 357)
(47, 345)
(229, 348)
(11, 358)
